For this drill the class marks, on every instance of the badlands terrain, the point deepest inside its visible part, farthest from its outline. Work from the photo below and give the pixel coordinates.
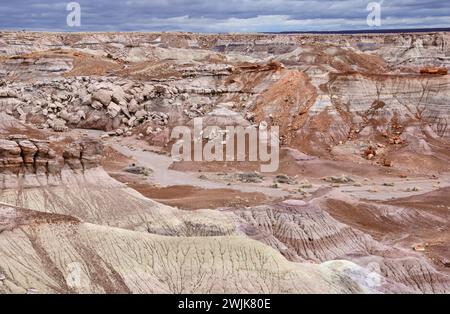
(92, 202)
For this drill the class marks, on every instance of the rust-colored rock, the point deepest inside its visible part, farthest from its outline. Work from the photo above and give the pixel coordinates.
(434, 71)
(370, 153)
(388, 163)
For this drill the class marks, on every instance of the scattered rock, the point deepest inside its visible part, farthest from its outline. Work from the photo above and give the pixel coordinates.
(396, 140)
(339, 180)
(388, 163)
(141, 115)
(370, 153)
(133, 106)
(419, 247)
(139, 170)
(58, 125)
(252, 177)
(97, 105)
(283, 179)
(305, 184)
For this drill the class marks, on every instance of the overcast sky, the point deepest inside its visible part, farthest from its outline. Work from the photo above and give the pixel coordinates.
(222, 16)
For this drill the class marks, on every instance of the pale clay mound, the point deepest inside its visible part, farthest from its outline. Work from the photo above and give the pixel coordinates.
(307, 233)
(40, 255)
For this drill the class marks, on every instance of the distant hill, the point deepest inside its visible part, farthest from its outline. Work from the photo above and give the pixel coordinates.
(370, 31)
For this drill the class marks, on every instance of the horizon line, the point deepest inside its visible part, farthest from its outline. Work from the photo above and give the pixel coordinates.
(326, 32)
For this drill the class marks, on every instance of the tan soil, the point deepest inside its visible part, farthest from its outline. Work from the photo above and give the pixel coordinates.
(191, 198)
(184, 197)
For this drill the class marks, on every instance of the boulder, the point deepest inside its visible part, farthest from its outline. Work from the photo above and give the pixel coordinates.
(131, 121)
(125, 111)
(133, 106)
(141, 115)
(58, 125)
(339, 180)
(118, 95)
(139, 170)
(29, 151)
(64, 115)
(74, 119)
(283, 179)
(113, 110)
(86, 99)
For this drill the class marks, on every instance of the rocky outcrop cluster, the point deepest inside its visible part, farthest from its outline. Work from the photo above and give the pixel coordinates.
(21, 155)
(116, 105)
(10, 102)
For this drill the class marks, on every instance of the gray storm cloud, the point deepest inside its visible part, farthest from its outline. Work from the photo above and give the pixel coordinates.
(221, 16)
